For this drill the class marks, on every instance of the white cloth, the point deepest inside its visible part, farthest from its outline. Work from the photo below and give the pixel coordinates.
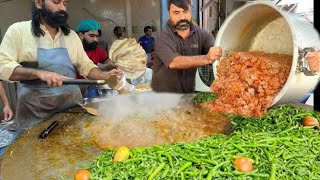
(145, 78)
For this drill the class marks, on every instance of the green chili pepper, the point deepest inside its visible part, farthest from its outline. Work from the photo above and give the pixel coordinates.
(166, 170)
(159, 168)
(211, 172)
(273, 172)
(185, 166)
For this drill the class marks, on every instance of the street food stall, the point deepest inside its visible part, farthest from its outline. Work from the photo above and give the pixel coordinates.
(152, 135)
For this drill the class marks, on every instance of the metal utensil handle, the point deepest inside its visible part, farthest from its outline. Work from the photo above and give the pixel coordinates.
(83, 81)
(303, 65)
(48, 130)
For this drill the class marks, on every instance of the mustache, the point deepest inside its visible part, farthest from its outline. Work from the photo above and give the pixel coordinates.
(54, 19)
(181, 26)
(61, 12)
(182, 21)
(89, 46)
(60, 15)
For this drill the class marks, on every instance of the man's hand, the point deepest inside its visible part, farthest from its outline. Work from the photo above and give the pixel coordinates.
(115, 72)
(185, 62)
(313, 59)
(213, 54)
(52, 79)
(97, 74)
(7, 112)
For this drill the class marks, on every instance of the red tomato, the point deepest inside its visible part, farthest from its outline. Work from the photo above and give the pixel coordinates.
(82, 174)
(243, 164)
(310, 121)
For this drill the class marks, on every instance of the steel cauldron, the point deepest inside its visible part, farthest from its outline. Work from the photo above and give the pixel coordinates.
(262, 26)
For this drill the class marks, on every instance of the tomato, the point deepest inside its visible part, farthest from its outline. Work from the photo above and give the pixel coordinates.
(122, 154)
(82, 174)
(243, 164)
(310, 121)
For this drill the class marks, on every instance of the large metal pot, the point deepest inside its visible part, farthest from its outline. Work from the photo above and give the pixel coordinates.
(262, 26)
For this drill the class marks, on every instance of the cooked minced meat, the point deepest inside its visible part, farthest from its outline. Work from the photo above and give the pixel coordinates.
(248, 81)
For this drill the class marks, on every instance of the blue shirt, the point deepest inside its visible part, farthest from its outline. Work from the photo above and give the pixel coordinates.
(146, 43)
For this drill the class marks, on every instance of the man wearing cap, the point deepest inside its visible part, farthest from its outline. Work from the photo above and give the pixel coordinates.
(89, 32)
(41, 53)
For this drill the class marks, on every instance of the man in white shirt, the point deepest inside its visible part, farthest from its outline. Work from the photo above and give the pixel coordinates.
(41, 53)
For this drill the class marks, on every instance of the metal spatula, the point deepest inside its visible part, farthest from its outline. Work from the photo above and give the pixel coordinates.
(112, 81)
(90, 110)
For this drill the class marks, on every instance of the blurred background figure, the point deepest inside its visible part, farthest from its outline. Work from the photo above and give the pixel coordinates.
(118, 34)
(147, 42)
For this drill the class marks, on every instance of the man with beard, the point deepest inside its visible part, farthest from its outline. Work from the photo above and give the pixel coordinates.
(180, 49)
(41, 53)
(89, 32)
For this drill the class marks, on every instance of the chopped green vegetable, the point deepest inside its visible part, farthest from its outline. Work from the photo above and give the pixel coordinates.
(203, 97)
(279, 145)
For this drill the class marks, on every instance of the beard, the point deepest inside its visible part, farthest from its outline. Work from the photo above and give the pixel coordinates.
(54, 19)
(183, 24)
(89, 46)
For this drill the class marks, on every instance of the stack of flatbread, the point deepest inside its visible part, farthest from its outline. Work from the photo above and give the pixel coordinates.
(129, 57)
(144, 87)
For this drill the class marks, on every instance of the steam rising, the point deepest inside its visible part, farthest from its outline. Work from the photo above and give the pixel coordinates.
(136, 120)
(147, 103)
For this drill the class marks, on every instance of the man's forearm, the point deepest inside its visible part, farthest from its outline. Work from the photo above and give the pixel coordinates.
(3, 95)
(21, 73)
(97, 74)
(185, 62)
(107, 65)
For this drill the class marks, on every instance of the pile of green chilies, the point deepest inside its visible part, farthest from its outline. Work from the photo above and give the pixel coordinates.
(279, 146)
(201, 97)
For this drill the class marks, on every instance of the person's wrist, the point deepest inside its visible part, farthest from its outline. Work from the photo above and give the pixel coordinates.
(106, 74)
(208, 59)
(38, 73)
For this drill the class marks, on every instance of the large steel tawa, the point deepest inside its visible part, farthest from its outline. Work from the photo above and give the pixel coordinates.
(126, 120)
(57, 156)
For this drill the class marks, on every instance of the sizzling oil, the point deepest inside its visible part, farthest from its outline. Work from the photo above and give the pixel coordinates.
(146, 129)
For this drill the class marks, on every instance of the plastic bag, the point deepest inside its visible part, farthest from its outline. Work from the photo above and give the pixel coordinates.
(124, 87)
